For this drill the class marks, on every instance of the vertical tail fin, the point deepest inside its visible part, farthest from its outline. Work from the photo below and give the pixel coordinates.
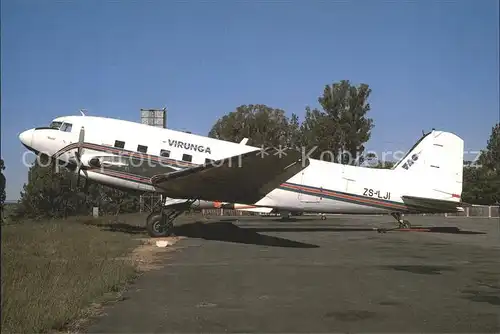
(435, 166)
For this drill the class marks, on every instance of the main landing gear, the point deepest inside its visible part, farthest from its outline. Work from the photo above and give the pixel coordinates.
(402, 223)
(160, 223)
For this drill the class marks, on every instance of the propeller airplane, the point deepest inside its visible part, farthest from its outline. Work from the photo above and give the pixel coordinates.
(196, 171)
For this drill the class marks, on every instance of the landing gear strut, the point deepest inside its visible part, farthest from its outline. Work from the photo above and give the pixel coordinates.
(401, 222)
(160, 223)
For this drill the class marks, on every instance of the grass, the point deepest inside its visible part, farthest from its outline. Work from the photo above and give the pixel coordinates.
(8, 210)
(53, 271)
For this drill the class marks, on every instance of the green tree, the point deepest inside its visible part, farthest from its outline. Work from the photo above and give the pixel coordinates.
(384, 164)
(372, 161)
(490, 157)
(473, 185)
(3, 182)
(318, 137)
(115, 201)
(263, 125)
(341, 126)
(294, 137)
(481, 180)
(49, 194)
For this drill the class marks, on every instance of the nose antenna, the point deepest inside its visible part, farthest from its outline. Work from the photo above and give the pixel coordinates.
(82, 111)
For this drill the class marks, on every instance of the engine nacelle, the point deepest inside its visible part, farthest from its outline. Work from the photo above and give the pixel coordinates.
(91, 161)
(202, 204)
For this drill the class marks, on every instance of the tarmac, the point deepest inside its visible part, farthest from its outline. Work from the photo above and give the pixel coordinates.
(310, 275)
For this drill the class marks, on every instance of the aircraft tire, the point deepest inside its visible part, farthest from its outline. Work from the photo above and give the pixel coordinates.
(154, 226)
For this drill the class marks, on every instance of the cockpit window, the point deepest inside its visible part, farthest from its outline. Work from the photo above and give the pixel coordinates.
(55, 125)
(66, 127)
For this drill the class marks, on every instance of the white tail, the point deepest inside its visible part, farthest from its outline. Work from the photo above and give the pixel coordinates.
(435, 166)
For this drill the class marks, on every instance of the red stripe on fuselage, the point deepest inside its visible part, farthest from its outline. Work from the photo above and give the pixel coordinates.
(343, 196)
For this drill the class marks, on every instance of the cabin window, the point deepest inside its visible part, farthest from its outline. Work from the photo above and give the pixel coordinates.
(142, 148)
(165, 153)
(187, 157)
(66, 127)
(119, 144)
(208, 161)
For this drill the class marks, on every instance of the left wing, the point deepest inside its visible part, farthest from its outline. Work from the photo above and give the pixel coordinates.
(239, 179)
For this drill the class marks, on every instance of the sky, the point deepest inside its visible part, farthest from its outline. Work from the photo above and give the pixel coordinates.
(430, 64)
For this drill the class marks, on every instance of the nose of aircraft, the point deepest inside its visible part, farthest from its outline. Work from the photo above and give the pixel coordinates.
(26, 137)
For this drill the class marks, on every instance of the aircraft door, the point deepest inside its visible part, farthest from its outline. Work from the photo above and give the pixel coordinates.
(310, 191)
(348, 181)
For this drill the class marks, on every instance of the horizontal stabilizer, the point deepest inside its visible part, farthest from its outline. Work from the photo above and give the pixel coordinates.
(246, 207)
(240, 179)
(256, 209)
(433, 205)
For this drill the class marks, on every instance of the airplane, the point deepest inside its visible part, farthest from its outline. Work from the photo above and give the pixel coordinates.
(194, 171)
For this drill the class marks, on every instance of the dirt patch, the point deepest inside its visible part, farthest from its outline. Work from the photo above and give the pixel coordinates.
(148, 257)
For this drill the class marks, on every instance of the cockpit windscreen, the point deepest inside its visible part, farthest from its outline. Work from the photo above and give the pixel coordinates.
(55, 125)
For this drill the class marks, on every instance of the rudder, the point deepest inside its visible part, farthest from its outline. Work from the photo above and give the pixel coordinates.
(435, 166)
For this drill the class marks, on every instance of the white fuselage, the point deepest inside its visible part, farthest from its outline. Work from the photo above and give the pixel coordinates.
(321, 187)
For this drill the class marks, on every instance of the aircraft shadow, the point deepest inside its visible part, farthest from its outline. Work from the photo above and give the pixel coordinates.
(267, 219)
(292, 219)
(437, 229)
(217, 231)
(449, 229)
(308, 229)
(283, 228)
(228, 232)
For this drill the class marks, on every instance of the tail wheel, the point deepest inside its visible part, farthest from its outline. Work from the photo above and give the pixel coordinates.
(405, 224)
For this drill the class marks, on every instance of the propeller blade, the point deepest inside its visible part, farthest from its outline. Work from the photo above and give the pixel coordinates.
(78, 176)
(82, 135)
(86, 186)
(81, 139)
(78, 155)
(54, 166)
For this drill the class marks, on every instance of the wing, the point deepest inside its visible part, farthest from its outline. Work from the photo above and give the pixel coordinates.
(432, 205)
(240, 179)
